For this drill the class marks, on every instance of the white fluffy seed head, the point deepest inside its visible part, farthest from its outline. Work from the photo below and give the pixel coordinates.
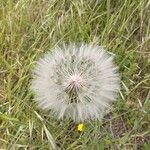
(76, 81)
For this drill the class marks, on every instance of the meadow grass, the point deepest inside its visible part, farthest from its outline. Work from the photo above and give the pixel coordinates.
(29, 28)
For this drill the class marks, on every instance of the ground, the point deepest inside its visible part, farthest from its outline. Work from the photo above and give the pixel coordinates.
(29, 28)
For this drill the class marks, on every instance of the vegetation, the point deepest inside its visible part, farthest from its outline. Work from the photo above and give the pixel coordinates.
(29, 28)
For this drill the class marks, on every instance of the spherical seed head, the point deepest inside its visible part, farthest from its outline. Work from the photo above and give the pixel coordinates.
(77, 82)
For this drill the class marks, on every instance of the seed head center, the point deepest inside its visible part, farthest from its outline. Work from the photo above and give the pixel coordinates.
(75, 82)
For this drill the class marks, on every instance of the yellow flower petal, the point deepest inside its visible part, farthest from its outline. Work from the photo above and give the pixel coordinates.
(80, 127)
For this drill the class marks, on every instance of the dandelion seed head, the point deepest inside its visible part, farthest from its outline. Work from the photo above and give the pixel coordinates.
(76, 81)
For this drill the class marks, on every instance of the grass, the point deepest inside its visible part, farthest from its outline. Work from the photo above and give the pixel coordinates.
(29, 28)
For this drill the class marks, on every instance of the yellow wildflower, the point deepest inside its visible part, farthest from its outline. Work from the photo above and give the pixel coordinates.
(80, 127)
